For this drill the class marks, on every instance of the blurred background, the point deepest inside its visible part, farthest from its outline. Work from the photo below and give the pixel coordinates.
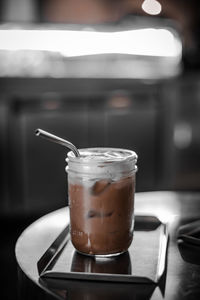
(115, 73)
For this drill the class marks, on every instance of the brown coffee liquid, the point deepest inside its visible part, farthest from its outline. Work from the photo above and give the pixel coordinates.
(102, 216)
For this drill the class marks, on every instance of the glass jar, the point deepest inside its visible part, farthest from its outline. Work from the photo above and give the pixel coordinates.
(101, 187)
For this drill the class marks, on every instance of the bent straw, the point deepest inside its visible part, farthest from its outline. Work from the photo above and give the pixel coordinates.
(58, 140)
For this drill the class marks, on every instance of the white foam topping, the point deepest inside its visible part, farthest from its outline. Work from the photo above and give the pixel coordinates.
(104, 154)
(104, 162)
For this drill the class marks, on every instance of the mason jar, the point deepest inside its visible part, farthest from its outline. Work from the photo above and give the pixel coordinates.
(101, 188)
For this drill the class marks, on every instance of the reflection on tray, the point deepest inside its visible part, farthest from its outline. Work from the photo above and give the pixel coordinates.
(114, 265)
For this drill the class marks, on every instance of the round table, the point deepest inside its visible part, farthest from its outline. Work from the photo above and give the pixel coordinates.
(181, 280)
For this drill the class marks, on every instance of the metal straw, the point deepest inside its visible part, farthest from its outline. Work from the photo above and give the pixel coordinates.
(56, 139)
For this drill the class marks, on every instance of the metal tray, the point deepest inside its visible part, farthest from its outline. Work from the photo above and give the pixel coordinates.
(144, 262)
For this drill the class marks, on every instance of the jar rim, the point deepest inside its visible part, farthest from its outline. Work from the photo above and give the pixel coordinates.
(102, 155)
(114, 164)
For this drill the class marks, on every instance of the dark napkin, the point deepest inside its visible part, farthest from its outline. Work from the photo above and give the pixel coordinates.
(188, 239)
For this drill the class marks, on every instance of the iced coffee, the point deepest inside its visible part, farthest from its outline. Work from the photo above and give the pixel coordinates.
(101, 185)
